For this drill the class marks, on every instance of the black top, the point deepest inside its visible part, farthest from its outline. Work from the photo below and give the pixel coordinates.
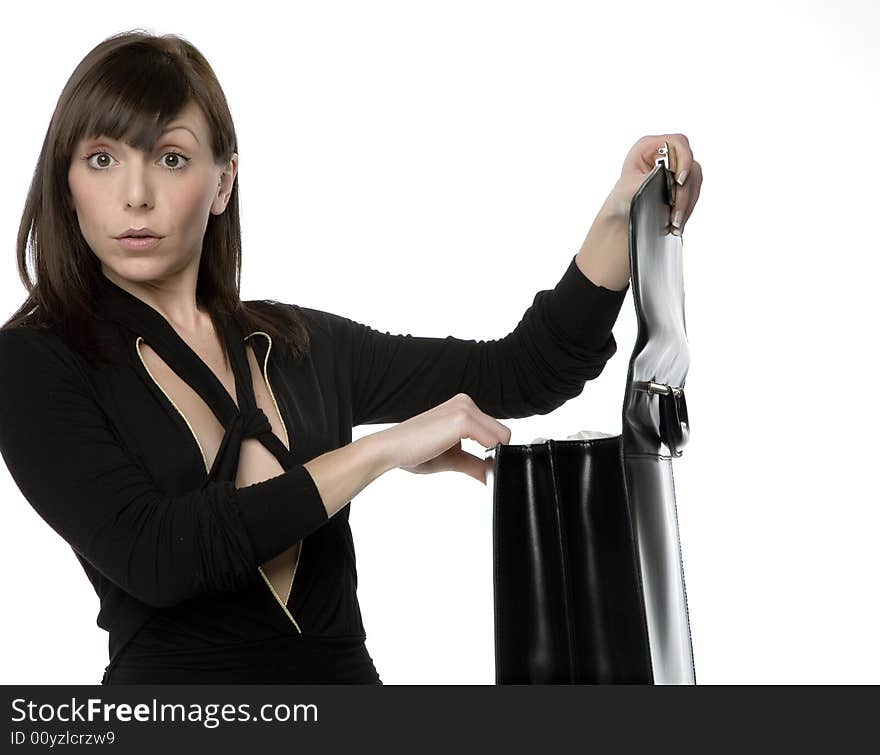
(172, 550)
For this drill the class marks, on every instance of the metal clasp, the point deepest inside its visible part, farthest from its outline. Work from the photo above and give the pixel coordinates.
(651, 387)
(674, 426)
(664, 151)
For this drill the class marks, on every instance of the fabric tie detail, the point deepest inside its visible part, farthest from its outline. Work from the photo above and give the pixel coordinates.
(254, 423)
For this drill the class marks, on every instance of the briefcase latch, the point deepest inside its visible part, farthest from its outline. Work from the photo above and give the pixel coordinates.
(674, 425)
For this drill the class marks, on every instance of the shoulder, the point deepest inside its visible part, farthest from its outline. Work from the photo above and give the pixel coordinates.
(327, 323)
(22, 339)
(35, 348)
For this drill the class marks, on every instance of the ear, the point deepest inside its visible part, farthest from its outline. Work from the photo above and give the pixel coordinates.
(224, 185)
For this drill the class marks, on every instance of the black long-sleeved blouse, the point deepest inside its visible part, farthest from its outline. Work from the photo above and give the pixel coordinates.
(173, 549)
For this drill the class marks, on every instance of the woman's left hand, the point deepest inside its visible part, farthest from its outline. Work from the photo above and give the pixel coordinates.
(640, 162)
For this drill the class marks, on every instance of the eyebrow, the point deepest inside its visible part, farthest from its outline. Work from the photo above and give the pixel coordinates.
(174, 128)
(165, 131)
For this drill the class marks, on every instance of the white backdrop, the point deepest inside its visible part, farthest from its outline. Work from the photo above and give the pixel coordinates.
(426, 168)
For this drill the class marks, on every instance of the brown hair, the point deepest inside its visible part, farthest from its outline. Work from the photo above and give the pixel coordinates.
(132, 85)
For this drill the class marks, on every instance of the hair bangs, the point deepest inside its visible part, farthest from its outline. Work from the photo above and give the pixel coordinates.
(132, 97)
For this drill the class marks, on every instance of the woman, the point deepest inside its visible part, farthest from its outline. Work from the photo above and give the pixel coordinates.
(195, 450)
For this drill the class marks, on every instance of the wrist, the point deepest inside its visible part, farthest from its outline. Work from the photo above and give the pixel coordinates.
(379, 450)
(615, 209)
(604, 255)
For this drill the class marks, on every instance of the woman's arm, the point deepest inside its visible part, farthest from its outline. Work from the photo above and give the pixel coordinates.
(562, 340)
(344, 472)
(604, 255)
(69, 464)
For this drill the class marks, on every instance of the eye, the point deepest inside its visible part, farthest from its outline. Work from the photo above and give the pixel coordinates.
(172, 168)
(177, 155)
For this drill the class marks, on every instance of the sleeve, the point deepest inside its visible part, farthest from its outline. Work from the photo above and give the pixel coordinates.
(66, 459)
(563, 340)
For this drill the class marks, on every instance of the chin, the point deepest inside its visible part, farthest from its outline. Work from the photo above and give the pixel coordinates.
(138, 270)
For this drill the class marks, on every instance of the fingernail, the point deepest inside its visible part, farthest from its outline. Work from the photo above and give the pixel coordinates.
(676, 219)
(681, 176)
(676, 232)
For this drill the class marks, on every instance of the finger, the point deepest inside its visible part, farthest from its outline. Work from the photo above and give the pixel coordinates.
(681, 157)
(495, 432)
(486, 430)
(695, 182)
(473, 466)
(681, 160)
(678, 209)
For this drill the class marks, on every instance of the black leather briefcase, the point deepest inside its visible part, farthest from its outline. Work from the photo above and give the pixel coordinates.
(588, 576)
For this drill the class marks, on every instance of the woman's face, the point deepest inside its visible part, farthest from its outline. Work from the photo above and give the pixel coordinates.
(115, 187)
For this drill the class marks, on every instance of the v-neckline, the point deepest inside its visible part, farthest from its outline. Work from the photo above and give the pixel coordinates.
(163, 338)
(237, 419)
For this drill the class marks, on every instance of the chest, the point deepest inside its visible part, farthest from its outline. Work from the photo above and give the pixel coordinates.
(256, 463)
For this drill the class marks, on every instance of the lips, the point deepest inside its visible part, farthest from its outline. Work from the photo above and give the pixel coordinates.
(139, 233)
(138, 243)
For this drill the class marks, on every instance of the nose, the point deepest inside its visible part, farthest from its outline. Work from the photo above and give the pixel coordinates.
(137, 187)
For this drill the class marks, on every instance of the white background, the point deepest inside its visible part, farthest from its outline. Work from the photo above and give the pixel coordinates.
(426, 168)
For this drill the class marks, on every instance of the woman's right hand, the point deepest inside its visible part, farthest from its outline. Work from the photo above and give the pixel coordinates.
(431, 442)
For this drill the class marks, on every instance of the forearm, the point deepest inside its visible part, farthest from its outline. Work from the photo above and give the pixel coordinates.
(604, 255)
(344, 472)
